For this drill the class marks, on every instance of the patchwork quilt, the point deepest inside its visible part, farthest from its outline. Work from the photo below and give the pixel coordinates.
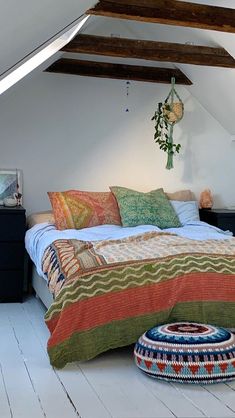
(107, 293)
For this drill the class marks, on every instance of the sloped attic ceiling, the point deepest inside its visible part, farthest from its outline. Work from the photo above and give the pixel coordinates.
(212, 87)
(26, 24)
(34, 23)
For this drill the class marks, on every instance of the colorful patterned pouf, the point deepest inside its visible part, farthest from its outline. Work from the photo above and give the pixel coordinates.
(187, 352)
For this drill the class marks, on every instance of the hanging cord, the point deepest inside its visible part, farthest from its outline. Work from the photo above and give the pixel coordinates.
(127, 95)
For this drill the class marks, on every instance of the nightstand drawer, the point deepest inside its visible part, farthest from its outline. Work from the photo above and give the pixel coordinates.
(12, 228)
(222, 218)
(11, 255)
(226, 223)
(11, 285)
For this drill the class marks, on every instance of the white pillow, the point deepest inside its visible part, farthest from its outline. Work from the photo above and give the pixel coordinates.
(186, 211)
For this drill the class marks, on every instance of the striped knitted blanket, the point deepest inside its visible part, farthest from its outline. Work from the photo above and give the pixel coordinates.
(108, 293)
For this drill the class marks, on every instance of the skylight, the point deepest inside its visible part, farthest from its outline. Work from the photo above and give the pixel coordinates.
(37, 58)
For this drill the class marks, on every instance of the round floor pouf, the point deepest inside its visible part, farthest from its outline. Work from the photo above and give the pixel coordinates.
(187, 352)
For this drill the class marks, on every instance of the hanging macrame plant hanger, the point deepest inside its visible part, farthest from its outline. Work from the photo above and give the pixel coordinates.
(168, 114)
(173, 112)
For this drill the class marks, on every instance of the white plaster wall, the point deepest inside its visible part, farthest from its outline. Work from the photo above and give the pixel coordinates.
(73, 132)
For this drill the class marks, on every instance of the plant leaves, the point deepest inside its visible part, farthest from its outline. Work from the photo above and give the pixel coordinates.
(162, 127)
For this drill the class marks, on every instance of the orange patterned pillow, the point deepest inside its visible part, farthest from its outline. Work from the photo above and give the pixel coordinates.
(75, 209)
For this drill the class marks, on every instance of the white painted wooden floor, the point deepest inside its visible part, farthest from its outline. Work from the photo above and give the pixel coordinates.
(107, 387)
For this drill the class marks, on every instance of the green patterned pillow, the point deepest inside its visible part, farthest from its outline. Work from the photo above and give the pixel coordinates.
(152, 208)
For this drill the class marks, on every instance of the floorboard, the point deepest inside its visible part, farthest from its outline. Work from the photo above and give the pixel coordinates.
(24, 402)
(224, 394)
(209, 403)
(6, 411)
(84, 396)
(71, 377)
(123, 392)
(52, 396)
(166, 391)
(109, 386)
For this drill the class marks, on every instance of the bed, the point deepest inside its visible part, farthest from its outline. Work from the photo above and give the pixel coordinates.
(105, 285)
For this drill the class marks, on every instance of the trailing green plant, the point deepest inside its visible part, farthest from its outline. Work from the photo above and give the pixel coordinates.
(165, 117)
(163, 132)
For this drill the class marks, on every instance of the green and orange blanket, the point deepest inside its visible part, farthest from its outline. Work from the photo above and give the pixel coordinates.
(107, 293)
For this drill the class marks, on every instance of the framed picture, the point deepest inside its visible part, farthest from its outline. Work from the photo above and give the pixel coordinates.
(10, 183)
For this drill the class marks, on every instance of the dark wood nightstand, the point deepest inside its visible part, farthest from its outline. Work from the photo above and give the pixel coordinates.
(222, 218)
(12, 251)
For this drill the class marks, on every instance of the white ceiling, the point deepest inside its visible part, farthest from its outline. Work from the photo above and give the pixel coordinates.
(25, 25)
(212, 87)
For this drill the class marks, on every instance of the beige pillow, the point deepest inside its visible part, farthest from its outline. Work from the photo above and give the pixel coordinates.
(182, 195)
(40, 217)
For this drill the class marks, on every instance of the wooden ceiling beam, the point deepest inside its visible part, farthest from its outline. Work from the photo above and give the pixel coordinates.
(150, 50)
(118, 71)
(169, 12)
